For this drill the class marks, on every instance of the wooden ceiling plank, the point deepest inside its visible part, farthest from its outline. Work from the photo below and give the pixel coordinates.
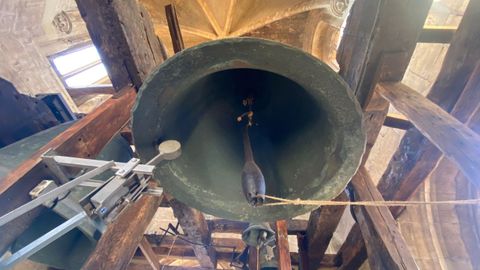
(119, 242)
(386, 247)
(211, 18)
(229, 19)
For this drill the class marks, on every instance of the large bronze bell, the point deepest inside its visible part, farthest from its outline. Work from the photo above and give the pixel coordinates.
(302, 120)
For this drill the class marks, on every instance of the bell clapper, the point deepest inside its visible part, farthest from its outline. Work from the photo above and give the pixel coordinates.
(253, 182)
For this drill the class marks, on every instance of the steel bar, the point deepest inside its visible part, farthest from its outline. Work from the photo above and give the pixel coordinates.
(53, 194)
(43, 241)
(92, 163)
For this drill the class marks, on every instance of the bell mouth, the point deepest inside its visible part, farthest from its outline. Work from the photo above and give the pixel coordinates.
(307, 136)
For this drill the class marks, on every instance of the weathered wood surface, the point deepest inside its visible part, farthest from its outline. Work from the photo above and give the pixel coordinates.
(149, 254)
(124, 35)
(375, 27)
(379, 39)
(253, 262)
(118, 244)
(454, 139)
(174, 28)
(435, 34)
(386, 247)
(302, 242)
(321, 225)
(397, 121)
(416, 156)
(82, 139)
(196, 230)
(294, 226)
(283, 256)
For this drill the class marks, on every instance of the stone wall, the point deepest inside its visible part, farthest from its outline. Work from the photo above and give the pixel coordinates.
(29, 35)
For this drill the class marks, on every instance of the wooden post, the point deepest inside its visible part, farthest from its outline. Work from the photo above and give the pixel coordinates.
(174, 28)
(117, 245)
(253, 263)
(370, 52)
(196, 229)
(321, 225)
(302, 241)
(149, 254)
(124, 36)
(284, 261)
(386, 247)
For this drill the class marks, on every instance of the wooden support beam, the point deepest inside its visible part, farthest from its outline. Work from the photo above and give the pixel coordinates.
(386, 247)
(321, 225)
(284, 260)
(302, 242)
(253, 262)
(125, 38)
(294, 226)
(435, 34)
(370, 52)
(174, 28)
(397, 121)
(149, 254)
(196, 230)
(118, 244)
(454, 139)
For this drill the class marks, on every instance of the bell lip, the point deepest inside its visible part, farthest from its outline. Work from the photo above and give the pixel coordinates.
(169, 71)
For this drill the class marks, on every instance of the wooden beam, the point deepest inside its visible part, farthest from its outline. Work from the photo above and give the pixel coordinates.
(397, 121)
(174, 28)
(196, 230)
(386, 247)
(118, 244)
(370, 52)
(302, 242)
(294, 226)
(253, 262)
(375, 27)
(454, 139)
(76, 93)
(284, 260)
(147, 251)
(125, 38)
(211, 17)
(436, 34)
(321, 225)
(82, 139)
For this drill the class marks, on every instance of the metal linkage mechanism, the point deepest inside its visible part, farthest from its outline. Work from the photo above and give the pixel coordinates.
(92, 213)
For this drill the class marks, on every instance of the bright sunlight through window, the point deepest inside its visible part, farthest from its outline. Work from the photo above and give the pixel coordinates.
(80, 68)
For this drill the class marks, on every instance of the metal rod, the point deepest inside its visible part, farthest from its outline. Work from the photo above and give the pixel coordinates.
(93, 163)
(43, 241)
(53, 194)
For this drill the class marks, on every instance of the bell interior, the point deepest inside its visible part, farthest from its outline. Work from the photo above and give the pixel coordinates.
(293, 140)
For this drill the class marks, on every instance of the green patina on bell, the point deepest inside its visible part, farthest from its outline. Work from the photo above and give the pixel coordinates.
(307, 136)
